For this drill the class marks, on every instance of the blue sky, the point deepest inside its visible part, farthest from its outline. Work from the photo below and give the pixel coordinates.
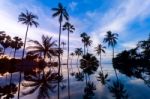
(129, 18)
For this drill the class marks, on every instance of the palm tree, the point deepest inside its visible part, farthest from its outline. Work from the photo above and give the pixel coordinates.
(44, 85)
(83, 36)
(6, 42)
(72, 54)
(70, 28)
(63, 44)
(88, 42)
(99, 50)
(111, 39)
(78, 52)
(61, 13)
(28, 19)
(16, 44)
(47, 48)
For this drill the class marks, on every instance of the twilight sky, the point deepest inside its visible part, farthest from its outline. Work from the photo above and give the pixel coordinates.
(129, 18)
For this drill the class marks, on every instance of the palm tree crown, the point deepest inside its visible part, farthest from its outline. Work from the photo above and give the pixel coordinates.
(111, 38)
(28, 18)
(61, 12)
(47, 47)
(100, 49)
(69, 27)
(78, 51)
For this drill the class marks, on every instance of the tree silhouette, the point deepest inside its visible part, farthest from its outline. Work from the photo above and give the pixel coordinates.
(83, 36)
(72, 54)
(79, 76)
(8, 91)
(118, 90)
(89, 64)
(88, 90)
(99, 50)
(47, 48)
(70, 28)
(28, 19)
(44, 85)
(88, 42)
(103, 78)
(111, 39)
(6, 42)
(78, 52)
(16, 44)
(60, 12)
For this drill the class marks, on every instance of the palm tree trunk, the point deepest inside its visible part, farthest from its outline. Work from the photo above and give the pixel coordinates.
(22, 59)
(87, 49)
(71, 64)
(113, 66)
(68, 68)
(77, 64)
(59, 62)
(100, 64)
(86, 78)
(84, 49)
(61, 72)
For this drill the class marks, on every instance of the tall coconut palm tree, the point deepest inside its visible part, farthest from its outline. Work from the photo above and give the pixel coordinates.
(111, 39)
(83, 36)
(72, 54)
(70, 28)
(60, 12)
(78, 52)
(16, 44)
(29, 20)
(99, 50)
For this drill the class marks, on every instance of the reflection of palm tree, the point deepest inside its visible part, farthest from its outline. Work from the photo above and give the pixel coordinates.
(89, 64)
(103, 78)
(111, 39)
(28, 19)
(61, 13)
(72, 54)
(88, 90)
(70, 28)
(99, 50)
(79, 76)
(8, 91)
(118, 90)
(78, 52)
(16, 44)
(44, 85)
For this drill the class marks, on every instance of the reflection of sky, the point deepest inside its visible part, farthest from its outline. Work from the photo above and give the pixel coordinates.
(135, 87)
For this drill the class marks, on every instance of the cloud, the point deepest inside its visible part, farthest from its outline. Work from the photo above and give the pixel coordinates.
(72, 5)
